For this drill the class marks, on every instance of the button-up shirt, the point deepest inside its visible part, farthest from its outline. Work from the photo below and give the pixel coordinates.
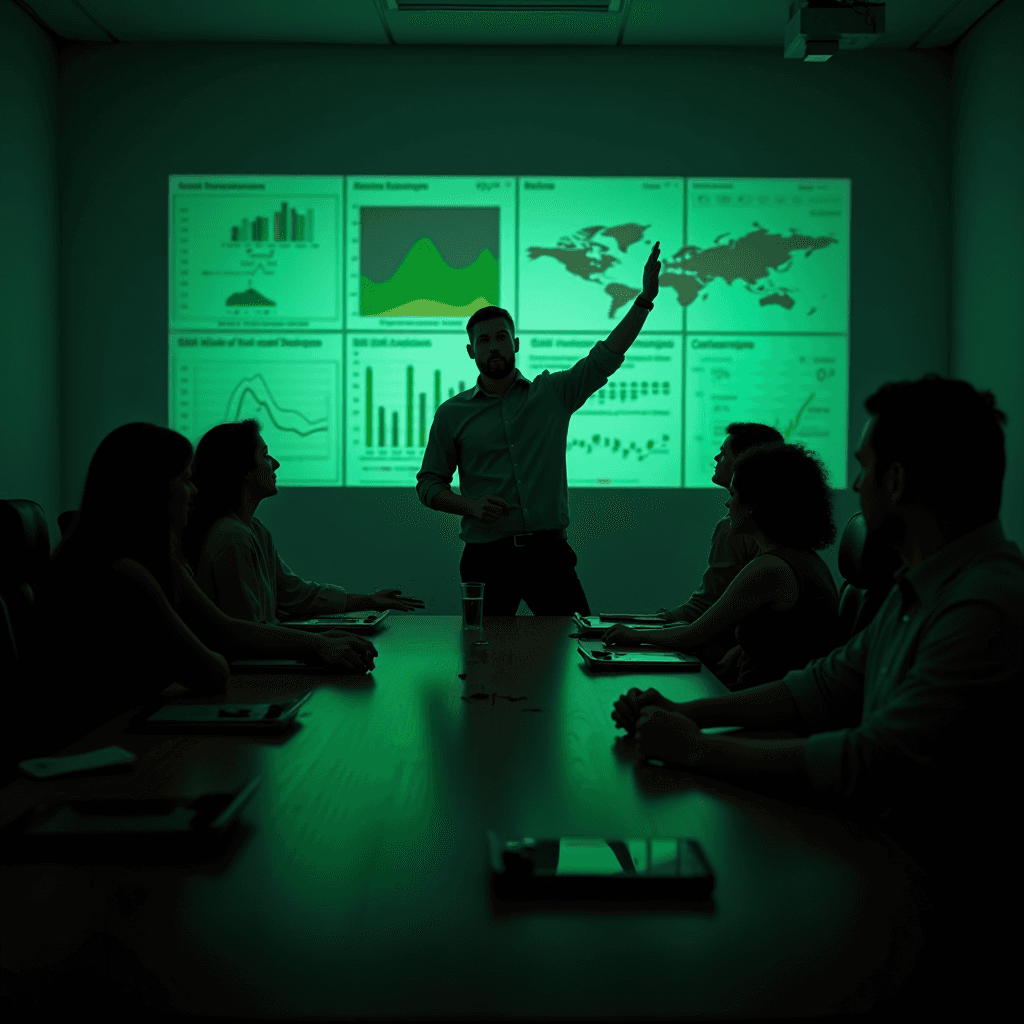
(512, 445)
(908, 711)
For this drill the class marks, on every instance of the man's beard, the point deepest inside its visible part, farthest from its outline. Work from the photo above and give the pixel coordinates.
(500, 370)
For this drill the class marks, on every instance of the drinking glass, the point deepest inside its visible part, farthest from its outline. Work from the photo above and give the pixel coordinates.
(473, 606)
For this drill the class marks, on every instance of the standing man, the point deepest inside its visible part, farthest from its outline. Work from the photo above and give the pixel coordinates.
(508, 439)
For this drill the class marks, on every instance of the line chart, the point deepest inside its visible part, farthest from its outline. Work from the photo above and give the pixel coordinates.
(257, 390)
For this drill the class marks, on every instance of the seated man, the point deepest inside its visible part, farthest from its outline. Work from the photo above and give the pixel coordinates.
(729, 552)
(236, 563)
(906, 720)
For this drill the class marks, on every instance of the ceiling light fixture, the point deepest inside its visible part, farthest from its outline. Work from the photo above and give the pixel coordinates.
(509, 6)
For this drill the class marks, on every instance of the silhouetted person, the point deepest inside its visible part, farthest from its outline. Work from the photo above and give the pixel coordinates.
(783, 604)
(507, 438)
(123, 602)
(729, 551)
(908, 722)
(236, 561)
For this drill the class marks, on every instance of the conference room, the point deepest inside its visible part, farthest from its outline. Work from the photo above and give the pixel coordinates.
(500, 283)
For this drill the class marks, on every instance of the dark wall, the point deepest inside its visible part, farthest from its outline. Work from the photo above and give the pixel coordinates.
(29, 412)
(988, 225)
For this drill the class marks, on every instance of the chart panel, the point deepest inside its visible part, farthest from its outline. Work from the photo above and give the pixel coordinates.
(395, 383)
(426, 253)
(583, 243)
(764, 254)
(255, 252)
(629, 432)
(795, 383)
(290, 383)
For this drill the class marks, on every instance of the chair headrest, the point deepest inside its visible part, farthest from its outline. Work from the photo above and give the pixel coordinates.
(66, 520)
(24, 542)
(864, 561)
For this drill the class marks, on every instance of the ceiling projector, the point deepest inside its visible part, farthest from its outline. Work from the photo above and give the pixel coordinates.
(817, 29)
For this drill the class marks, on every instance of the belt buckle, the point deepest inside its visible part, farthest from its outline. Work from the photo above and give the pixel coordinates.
(516, 536)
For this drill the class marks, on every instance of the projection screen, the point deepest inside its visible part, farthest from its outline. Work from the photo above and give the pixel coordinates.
(333, 309)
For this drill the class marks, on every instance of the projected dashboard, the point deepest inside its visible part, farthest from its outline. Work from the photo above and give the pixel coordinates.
(333, 309)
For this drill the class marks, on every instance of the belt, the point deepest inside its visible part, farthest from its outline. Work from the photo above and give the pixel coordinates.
(522, 540)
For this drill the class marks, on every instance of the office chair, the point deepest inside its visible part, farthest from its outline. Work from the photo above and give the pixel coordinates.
(66, 520)
(867, 567)
(24, 556)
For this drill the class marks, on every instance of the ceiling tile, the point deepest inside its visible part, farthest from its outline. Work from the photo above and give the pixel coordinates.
(356, 22)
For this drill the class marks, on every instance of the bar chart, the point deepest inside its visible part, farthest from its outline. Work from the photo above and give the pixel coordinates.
(395, 385)
(289, 226)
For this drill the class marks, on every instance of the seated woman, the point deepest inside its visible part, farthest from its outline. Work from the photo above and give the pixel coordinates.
(237, 565)
(783, 604)
(124, 604)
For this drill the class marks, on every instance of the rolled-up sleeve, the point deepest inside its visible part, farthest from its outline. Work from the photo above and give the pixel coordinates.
(574, 386)
(440, 461)
(299, 599)
(932, 725)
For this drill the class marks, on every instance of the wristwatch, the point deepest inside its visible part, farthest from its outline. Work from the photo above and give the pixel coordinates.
(643, 303)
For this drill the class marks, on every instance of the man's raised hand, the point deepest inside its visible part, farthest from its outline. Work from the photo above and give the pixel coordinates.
(652, 271)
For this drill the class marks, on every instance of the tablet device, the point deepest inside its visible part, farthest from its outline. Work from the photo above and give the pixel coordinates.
(630, 617)
(618, 657)
(587, 867)
(354, 622)
(119, 830)
(604, 621)
(220, 718)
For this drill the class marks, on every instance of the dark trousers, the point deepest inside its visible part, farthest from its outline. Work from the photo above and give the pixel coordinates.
(538, 568)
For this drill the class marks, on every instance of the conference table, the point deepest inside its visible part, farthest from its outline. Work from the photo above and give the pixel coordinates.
(357, 885)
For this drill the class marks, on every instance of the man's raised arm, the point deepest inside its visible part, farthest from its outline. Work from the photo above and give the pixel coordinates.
(627, 329)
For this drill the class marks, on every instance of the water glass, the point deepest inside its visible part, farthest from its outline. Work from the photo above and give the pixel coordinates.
(473, 606)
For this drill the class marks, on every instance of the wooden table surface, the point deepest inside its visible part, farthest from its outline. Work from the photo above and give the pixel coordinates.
(359, 887)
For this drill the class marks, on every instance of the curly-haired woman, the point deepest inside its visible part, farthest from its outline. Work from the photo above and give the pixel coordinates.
(783, 604)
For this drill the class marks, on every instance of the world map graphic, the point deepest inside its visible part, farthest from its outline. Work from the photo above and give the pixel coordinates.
(756, 259)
